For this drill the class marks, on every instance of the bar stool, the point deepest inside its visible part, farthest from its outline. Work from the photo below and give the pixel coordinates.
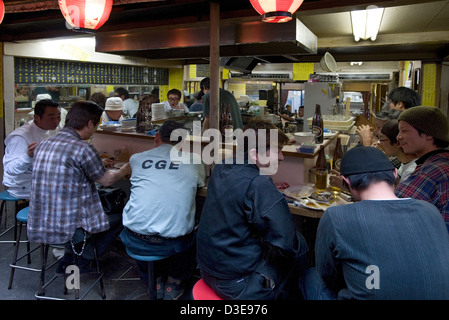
(40, 294)
(201, 291)
(4, 197)
(21, 218)
(151, 284)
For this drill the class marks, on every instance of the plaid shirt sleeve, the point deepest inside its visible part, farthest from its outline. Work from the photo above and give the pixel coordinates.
(429, 182)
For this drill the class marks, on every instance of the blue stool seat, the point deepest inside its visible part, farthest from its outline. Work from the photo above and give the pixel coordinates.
(143, 258)
(151, 285)
(6, 196)
(22, 215)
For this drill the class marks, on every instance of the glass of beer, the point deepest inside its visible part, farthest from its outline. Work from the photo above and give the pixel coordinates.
(320, 179)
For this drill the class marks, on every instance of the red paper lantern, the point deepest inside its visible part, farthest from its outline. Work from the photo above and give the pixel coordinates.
(86, 14)
(2, 10)
(276, 11)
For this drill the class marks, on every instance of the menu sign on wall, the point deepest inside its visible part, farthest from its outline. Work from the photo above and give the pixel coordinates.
(35, 71)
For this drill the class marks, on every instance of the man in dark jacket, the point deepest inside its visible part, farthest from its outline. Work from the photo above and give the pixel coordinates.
(247, 244)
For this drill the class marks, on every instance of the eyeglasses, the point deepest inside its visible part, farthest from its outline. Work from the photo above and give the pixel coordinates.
(174, 99)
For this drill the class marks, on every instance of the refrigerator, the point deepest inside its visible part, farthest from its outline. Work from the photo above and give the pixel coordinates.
(323, 93)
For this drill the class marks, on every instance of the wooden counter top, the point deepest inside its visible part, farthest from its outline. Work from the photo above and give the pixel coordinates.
(299, 211)
(288, 150)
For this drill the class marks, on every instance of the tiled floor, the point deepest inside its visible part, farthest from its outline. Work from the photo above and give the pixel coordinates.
(113, 263)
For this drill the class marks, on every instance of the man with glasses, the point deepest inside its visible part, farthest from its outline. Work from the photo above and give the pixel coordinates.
(174, 96)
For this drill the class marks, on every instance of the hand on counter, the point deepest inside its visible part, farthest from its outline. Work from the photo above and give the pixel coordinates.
(126, 171)
(108, 163)
(335, 180)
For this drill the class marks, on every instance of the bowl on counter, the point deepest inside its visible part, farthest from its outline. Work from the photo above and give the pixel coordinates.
(301, 137)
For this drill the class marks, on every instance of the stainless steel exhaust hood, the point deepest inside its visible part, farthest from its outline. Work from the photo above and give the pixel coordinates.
(263, 41)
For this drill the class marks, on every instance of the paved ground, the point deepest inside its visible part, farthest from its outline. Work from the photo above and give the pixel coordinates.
(114, 263)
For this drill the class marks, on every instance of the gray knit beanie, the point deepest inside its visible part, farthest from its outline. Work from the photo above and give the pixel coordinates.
(429, 120)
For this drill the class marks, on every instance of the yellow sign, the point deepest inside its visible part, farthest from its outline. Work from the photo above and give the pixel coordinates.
(301, 71)
(429, 84)
(225, 74)
(192, 71)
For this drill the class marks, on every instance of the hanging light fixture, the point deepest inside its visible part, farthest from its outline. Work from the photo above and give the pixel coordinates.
(276, 11)
(366, 23)
(85, 15)
(2, 10)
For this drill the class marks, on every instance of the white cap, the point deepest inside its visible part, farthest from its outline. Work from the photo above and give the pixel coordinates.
(43, 96)
(114, 104)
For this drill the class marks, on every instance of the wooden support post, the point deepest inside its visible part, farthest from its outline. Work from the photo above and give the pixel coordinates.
(214, 64)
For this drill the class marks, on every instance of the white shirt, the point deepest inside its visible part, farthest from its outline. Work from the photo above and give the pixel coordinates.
(162, 199)
(130, 108)
(17, 164)
(168, 108)
(406, 169)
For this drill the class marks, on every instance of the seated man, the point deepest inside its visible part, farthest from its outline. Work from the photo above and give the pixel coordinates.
(172, 103)
(20, 145)
(64, 199)
(424, 132)
(159, 217)
(247, 244)
(113, 110)
(380, 247)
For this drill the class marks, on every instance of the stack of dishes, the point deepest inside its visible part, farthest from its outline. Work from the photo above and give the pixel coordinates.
(158, 112)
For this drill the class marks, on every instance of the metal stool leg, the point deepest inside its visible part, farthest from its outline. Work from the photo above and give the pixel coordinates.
(97, 266)
(14, 259)
(151, 286)
(44, 255)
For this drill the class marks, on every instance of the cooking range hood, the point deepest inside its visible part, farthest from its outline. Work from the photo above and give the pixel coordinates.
(255, 40)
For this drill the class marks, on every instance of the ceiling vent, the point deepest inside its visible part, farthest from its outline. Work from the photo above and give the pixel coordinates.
(383, 76)
(263, 76)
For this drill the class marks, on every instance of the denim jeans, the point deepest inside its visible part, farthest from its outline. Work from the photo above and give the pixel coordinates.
(180, 253)
(312, 286)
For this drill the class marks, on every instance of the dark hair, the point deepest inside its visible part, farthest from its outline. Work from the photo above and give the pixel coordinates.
(122, 92)
(41, 105)
(391, 130)
(362, 181)
(81, 113)
(405, 95)
(99, 98)
(256, 124)
(441, 144)
(166, 130)
(205, 84)
(148, 98)
(175, 92)
(199, 95)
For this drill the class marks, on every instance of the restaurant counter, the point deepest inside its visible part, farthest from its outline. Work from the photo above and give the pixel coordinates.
(293, 170)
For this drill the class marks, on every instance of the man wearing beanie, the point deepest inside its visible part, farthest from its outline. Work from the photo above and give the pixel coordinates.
(424, 131)
(380, 247)
(113, 110)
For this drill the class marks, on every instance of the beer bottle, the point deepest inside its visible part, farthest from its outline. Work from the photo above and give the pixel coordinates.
(321, 171)
(321, 160)
(318, 125)
(338, 154)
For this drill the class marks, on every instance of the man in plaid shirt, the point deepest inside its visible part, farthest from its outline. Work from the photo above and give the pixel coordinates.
(64, 197)
(424, 131)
